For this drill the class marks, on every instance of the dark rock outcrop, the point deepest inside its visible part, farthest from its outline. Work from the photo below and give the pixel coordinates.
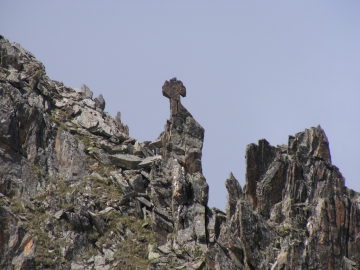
(76, 192)
(177, 184)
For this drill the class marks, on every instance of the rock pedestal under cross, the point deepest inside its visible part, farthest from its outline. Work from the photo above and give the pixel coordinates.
(173, 89)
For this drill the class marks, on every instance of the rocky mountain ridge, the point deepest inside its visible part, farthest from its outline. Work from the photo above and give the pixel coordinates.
(77, 192)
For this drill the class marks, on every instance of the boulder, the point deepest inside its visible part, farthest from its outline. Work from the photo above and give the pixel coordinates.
(100, 102)
(156, 144)
(86, 92)
(137, 183)
(147, 162)
(125, 161)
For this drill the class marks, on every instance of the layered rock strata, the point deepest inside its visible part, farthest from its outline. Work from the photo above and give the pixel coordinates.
(77, 192)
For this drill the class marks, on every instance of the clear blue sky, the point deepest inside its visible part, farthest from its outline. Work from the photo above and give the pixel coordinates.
(252, 69)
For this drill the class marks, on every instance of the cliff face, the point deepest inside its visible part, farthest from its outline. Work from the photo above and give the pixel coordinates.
(294, 212)
(76, 192)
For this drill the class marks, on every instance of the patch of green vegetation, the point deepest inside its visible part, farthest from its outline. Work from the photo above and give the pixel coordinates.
(285, 230)
(16, 206)
(133, 251)
(104, 170)
(48, 252)
(74, 126)
(86, 140)
(37, 170)
(59, 117)
(56, 121)
(198, 252)
(170, 236)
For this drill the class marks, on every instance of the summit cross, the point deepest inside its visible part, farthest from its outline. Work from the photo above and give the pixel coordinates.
(173, 89)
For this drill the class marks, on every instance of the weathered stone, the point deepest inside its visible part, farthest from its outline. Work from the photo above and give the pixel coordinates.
(59, 103)
(121, 182)
(76, 266)
(69, 157)
(163, 227)
(100, 102)
(13, 77)
(114, 139)
(213, 227)
(76, 221)
(101, 155)
(144, 201)
(180, 186)
(125, 161)
(88, 119)
(89, 103)
(109, 255)
(200, 188)
(25, 258)
(147, 162)
(97, 222)
(106, 210)
(151, 253)
(86, 92)
(147, 152)
(59, 214)
(269, 190)
(156, 144)
(137, 183)
(199, 223)
(113, 149)
(99, 260)
(193, 162)
(129, 141)
(146, 175)
(234, 194)
(137, 149)
(76, 110)
(258, 157)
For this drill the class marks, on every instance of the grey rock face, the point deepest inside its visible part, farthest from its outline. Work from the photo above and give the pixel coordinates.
(76, 192)
(234, 194)
(86, 92)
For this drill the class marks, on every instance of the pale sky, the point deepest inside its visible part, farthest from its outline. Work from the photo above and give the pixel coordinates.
(252, 69)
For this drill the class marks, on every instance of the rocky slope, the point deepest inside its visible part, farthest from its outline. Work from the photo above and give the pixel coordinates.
(76, 192)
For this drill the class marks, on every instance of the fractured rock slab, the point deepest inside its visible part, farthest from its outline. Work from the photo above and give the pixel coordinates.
(125, 161)
(86, 92)
(147, 162)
